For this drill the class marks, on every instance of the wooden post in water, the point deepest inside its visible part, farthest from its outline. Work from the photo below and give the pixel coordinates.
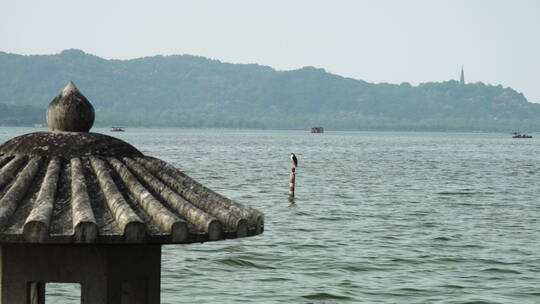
(291, 182)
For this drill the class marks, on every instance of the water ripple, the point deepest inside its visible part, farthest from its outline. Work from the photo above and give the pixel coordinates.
(379, 217)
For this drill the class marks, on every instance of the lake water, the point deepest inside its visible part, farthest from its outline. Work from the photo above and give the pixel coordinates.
(378, 218)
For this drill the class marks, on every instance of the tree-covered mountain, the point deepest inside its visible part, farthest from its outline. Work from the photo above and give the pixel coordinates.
(15, 115)
(190, 91)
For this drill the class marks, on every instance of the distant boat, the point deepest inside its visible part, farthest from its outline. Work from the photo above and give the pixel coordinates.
(317, 130)
(117, 129)
(520, 135)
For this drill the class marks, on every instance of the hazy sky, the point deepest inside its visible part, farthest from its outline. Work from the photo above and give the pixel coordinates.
(415, 41)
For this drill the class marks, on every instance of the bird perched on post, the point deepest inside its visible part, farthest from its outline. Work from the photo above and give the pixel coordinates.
(294, 160)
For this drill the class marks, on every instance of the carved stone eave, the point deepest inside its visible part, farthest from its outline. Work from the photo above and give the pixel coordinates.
(108, 199)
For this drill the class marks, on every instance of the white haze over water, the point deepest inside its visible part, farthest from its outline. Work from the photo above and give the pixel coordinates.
(377, 41)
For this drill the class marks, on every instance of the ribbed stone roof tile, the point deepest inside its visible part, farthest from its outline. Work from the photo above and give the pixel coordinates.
(105, 199)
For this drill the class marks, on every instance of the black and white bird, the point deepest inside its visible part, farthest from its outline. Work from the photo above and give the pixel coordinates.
(294, 160)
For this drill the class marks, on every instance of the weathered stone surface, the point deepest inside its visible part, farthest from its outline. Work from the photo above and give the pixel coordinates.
(36, 227)
(67, 187)
(70, 111)
(68, 145)
(84, 222)
(107, 274)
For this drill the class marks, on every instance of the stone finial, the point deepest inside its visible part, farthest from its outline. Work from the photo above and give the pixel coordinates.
(70, 111)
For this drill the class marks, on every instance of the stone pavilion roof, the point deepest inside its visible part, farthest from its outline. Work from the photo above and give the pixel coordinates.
(73, 186)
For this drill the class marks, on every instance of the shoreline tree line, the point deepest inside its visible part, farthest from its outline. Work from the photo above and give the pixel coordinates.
(192, 91)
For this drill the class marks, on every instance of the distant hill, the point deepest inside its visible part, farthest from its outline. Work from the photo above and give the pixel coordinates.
(15, 115)
(191, 91)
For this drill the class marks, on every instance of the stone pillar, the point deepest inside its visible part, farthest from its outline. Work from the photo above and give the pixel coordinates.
(115, 274)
